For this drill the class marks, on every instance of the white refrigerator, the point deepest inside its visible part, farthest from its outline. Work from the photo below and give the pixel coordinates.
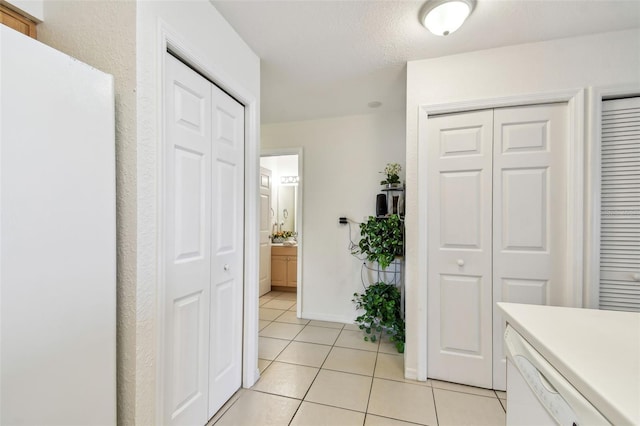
(58, 238)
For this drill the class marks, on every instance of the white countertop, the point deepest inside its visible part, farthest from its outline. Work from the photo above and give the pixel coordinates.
(598, 352)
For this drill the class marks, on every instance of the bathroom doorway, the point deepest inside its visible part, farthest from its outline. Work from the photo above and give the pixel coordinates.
(281, 219)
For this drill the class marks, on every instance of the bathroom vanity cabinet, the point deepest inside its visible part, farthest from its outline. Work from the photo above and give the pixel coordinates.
(284, 266)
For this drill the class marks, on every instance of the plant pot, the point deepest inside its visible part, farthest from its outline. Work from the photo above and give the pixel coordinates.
(392, 186)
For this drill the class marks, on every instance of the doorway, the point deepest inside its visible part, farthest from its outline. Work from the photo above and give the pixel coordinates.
(281, 219)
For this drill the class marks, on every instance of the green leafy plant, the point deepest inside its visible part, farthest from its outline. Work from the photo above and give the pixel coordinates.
(381, 239)
(382, 313)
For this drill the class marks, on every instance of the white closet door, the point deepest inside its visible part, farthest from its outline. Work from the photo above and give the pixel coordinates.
(227, 275)
(265, 230)
(529, 212)
(459, 262)
(620, 218)
(188, 244)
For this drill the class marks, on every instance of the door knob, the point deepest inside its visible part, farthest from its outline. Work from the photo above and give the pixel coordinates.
(226, 267)
(460, 262)
(636, 276)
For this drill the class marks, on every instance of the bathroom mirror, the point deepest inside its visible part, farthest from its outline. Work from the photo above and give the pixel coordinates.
(287, 197)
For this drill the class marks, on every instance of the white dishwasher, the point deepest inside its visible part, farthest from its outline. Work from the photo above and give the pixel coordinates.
(537, 394)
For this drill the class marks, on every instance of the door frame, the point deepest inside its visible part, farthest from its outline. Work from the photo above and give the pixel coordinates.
(575, 99)
(273, 152)
(594, 176)
(169, 40)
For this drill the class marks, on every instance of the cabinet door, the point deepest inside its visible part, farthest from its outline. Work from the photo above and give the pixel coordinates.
(292, 271)
(279, 270)
(18, 22)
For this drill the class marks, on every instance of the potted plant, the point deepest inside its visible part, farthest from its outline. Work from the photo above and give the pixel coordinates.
(381, 239)
(391, 171)
(382, 313)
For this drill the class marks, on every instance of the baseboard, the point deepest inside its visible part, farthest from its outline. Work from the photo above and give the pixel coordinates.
(324, 317)
(284, 289)
(412, 374)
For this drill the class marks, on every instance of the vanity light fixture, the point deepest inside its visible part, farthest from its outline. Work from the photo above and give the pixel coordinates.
(442, 17)
(287, 180)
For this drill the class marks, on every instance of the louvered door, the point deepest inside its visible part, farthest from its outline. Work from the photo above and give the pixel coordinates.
(620, 208)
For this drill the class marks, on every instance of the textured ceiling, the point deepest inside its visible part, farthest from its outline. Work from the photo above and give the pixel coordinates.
(329, 58)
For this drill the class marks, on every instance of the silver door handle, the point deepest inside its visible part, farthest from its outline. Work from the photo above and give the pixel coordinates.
(636, 276)
(460, 262)
(226, 267)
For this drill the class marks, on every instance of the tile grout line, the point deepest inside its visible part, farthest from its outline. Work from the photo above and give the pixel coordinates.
(316, 376)
(435, 406)
(373, 375)
(228, 408)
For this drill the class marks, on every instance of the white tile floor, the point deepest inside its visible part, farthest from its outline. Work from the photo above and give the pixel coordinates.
(323, 373)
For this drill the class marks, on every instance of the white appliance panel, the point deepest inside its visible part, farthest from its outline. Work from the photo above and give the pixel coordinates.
(58, 245)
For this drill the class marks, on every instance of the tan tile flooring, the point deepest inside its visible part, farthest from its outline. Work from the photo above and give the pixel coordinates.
(323, 373)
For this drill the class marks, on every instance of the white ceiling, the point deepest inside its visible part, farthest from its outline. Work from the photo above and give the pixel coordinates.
(322, 58)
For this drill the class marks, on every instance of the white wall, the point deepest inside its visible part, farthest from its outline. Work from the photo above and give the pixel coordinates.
(599, 60)
(215, 48)
(280, 165)
(341, 160)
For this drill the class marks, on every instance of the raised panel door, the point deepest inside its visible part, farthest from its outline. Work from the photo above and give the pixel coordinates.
(265, 230)
(227, 251)
(529, 212)
(188, 242)
(459, 274)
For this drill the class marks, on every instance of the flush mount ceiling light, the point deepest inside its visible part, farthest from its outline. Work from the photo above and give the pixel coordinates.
(442, 17)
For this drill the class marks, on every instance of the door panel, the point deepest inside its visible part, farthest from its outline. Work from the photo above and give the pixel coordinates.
(460, 293)
(186, 365)
(292, 272)
(529, 225)
(188, 241)
(227, 275)
(222, 332)
(189, 210)
(265, 230)
(525, 291)
(278, 270)
(227, 216)
(525, 209)
(459, 227)
(460, 192)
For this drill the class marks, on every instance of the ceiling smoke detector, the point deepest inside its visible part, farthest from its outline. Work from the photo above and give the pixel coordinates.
(442, 17)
